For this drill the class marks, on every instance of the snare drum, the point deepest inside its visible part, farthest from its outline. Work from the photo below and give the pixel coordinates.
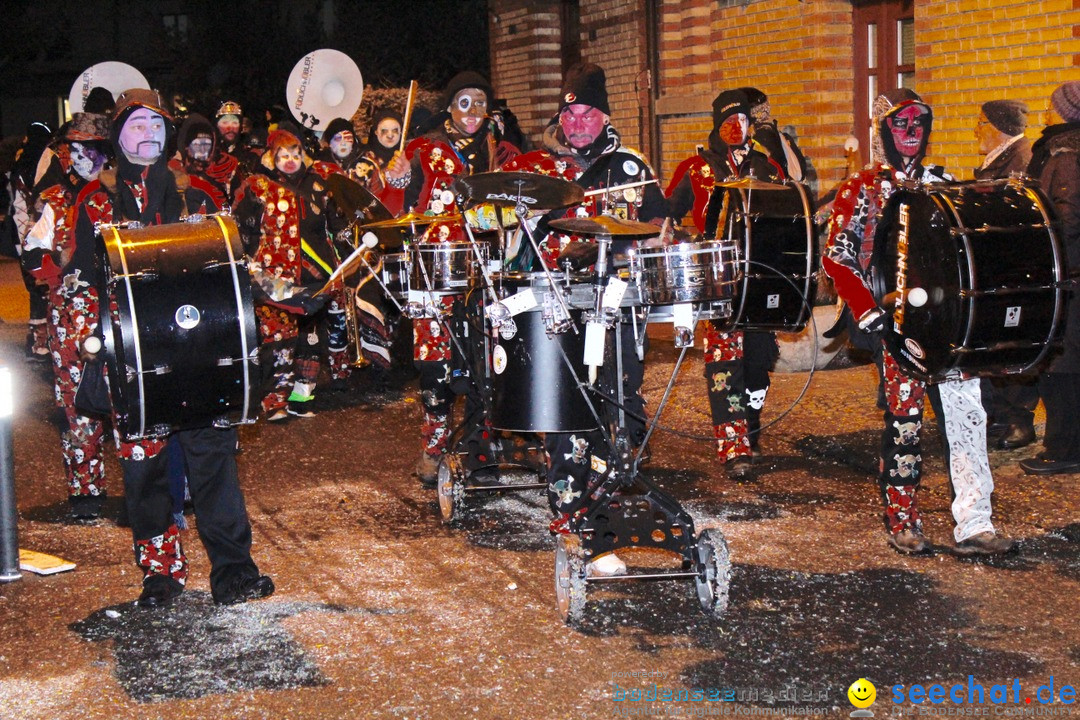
(778, 252)
(533, 389)
(982, 276)
(180, 343)
(684, 272)
(395, 274)
(445, 268)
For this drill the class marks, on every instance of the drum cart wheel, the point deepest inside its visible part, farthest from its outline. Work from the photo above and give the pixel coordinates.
(451, 488)
(570, 580)
(713, 564)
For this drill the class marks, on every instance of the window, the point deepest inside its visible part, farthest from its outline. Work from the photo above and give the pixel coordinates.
(884, 57)
(176, 26)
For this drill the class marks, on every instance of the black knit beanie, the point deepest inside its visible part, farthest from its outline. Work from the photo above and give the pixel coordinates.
(729, 103)
(585, 84)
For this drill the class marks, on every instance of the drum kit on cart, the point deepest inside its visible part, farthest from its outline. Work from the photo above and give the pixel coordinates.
(976, 268)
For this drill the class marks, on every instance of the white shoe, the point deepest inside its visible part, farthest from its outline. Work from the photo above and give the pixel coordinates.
(606, 566)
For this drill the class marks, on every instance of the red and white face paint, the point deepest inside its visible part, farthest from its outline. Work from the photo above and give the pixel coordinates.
(289, 159)
(468, 110)
(229, 127)
(581, 124)
(142, 139)
(908, 128)
(733, 130)
(342, 144)
(200, 147)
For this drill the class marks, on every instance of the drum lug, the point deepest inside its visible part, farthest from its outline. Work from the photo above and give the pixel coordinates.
(214, 265)
(161, 369)
(195, 218)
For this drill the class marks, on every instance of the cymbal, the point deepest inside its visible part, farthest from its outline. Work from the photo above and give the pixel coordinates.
(535, 191)
(750, 183)
(355, 200)
(409, 219)
(604, 225)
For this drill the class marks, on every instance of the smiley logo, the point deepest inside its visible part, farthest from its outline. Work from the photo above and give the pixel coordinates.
(862, 693)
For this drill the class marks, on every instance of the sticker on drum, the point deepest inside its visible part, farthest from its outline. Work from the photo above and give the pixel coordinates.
(507, 330)
(1012, 316)
(498, 359)
(630, 167)
(629, 194)
(187, 316)
(447, 197)
(914, 348)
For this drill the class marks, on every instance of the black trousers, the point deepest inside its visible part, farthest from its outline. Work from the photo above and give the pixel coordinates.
(220, 513)
(1061, 396)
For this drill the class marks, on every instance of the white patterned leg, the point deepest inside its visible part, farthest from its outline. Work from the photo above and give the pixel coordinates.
(969, 471)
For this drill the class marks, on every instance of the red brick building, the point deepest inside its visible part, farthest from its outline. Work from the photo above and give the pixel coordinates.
(818, 60)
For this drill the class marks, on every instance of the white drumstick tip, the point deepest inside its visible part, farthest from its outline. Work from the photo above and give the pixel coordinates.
(92, 345)
(916, 297)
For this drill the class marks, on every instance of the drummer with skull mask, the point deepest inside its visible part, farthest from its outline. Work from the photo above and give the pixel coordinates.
(142, 188)
(79, 156)
(901, 127)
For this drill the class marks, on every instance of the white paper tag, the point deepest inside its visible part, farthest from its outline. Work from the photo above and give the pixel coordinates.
(613, 293)
(594, 344)
(520, 302)
(682, 315)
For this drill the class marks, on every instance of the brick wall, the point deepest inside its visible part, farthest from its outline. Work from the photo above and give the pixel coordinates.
(971, 51)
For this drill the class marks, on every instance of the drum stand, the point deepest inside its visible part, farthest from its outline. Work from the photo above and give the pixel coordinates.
(625, 509)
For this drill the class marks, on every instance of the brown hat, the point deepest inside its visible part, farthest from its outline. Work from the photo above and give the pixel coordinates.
(141, 96)
(87, 127)
(1008, 116)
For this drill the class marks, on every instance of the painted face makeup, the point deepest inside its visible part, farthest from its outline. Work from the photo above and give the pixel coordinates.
(908, 129)
(388, 132)
(468, 110)
(229, 127)
(734, 129)
(289, 159)
(200, 147)
(86, 160)
(342, 144)
(581, 124)
(143, 136)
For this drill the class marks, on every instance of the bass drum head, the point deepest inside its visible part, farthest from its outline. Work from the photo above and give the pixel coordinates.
(181, 338)
(780, 258)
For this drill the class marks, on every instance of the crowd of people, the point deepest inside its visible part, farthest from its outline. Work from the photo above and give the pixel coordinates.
(127, 159)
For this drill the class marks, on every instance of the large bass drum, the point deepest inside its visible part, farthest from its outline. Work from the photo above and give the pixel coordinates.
(180, 340)
(979, 275)
(774, 230)
(533, 389)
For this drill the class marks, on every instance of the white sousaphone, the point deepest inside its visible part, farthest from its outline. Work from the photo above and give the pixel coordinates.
(324, 85)
(116, 77)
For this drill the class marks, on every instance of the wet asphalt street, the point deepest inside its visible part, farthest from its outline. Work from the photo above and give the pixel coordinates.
(384, 611)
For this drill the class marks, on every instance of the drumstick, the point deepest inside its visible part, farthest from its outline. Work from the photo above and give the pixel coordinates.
(613, 188)
(408, 114)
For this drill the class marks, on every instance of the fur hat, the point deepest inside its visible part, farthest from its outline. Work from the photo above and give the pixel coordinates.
(585, 84)
(87, 127)
(728, 103)
(1008, 116)
(1066, 100)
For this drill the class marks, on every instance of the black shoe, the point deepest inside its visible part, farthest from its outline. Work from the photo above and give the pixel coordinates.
(908, 541)
(301, 409)
(86, 507)
(249, 587)
(159, 592)
(1043, 466)
(997, 429)
(1016, 437)
(741, 468)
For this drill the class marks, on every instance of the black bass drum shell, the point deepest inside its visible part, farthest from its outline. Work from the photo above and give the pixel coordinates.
(179, 328)
(988, 257)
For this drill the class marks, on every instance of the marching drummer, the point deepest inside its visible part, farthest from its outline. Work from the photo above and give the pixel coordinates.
(901, 125)
(737, 363)
(581, 145)
(463, 142)
(143, 189)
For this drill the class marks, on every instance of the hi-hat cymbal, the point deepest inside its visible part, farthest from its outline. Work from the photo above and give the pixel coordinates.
(535, 191)
(604, 225)
(409, 219)
(750, 183)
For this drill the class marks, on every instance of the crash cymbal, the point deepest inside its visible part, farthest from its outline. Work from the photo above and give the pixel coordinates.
(604, 225)
(356, 201)
(535, 191)
(410, 219)
(750, 183)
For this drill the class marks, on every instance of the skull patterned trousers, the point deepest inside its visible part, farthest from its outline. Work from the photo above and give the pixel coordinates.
(220, 513)
(737, 366)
